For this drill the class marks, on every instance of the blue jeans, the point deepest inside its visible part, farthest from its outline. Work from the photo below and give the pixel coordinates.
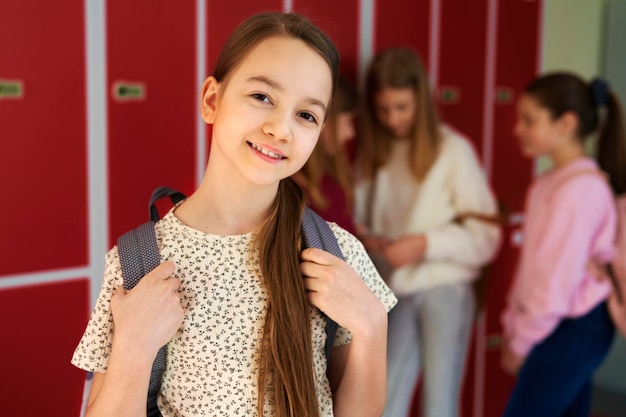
(555, 380)
(431, 328)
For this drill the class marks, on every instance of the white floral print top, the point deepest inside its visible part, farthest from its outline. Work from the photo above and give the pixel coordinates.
(212, 359)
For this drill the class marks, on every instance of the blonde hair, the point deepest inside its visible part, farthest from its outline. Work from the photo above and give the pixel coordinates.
(399, 68)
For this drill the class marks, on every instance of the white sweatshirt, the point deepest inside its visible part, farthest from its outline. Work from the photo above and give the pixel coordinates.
(401, 206)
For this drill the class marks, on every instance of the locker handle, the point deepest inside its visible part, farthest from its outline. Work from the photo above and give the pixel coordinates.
(11, 89)
(124, 91)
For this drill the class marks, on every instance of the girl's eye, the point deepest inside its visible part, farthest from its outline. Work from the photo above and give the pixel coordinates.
(261, 97)
(308, 117)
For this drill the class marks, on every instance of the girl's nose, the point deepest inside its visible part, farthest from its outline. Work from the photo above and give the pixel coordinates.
(278, 127)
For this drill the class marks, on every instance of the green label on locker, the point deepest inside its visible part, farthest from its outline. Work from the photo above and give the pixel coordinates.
(504, 95)
(449, 95)
(129, 91)
(494, 341)
(11, 89)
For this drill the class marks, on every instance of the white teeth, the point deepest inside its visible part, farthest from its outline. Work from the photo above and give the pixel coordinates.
(265, 151)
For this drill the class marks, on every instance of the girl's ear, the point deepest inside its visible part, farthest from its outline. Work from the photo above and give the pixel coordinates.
(208, 105)
(568, 123)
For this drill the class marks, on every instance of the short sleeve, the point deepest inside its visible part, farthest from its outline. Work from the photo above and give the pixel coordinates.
(93, 350)
(358, 259)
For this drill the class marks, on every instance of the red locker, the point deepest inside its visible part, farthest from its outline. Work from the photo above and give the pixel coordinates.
(462, 52)
(151, 103)
(42, 136)
(403, 23)
(516, 65)
(41, 329)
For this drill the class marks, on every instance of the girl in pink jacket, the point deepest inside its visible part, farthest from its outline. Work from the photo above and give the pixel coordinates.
(556, 325)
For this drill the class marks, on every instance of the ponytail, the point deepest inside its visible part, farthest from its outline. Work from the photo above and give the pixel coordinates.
(612, 145)
(564, 92)
(286, 352)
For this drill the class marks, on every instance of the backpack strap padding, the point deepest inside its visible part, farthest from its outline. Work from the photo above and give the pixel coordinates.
(317, 234)
(139, 254)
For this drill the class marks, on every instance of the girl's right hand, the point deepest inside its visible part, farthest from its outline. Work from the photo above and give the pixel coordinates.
(149, 315)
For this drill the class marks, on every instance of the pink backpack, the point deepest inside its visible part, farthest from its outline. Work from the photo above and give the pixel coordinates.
(616, 269)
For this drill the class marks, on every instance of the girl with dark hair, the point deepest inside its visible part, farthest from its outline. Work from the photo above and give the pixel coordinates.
(556, 325)
(417, 178)
(241, 311)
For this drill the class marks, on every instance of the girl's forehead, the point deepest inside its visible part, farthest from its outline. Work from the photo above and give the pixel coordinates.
(288, 63)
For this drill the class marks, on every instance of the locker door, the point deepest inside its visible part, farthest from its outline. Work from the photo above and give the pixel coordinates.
(460, 92)
(403, 23)
(42, 136)
(151, 103)
(516, 65)
(37, 376)
(339, 20)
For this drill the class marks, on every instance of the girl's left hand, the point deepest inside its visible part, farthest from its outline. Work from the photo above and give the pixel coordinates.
(510, 361)
(405, 250)
(337, 290)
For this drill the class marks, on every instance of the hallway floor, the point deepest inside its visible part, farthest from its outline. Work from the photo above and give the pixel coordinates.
(606, 403)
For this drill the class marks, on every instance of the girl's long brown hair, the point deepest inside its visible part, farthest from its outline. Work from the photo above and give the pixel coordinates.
(334, 162)
(565, 92)
(285, 351)
(399, 68)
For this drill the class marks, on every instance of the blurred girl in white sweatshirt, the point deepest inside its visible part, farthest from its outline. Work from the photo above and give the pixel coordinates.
(416, 178)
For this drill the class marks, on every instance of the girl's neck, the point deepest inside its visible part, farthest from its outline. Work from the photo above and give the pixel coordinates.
(567, 154)
(222, 205)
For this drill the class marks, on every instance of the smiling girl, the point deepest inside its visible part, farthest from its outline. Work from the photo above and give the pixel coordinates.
(237, 302)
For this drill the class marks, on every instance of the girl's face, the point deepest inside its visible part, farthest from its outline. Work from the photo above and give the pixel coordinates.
(267, 115)
(538, 133)
(395, 110)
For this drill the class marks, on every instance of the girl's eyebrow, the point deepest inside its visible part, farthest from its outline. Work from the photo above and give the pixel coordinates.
(277, 86)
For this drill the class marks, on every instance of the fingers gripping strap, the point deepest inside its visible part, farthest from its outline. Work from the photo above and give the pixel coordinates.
(139, 254)
(317, 234)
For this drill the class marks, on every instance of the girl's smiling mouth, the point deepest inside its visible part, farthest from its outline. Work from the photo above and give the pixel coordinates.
(266, 152)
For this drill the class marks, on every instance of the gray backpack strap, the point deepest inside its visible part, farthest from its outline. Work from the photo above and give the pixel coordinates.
(317, 234)
(139, 254)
